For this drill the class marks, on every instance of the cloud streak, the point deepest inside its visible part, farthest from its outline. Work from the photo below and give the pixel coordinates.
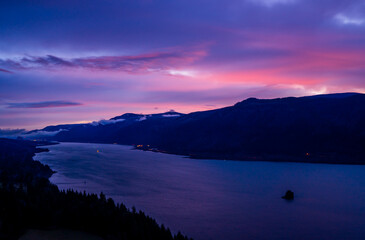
(4, 70)
(343, 19)
(46, 104)
(11, 133)
(106, 122)
(15, 133)
(144, 63)
(41, 134)
(270, 3)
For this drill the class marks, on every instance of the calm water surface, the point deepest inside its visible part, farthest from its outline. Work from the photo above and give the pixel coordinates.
(210, 199)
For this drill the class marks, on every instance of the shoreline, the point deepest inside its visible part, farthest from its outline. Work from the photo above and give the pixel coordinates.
(248, 158)
(33, 202)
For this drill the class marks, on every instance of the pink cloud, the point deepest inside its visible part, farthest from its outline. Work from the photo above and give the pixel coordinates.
(134, 64)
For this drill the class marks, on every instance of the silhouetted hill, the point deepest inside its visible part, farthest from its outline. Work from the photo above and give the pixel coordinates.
(16, 161)
(322, 128)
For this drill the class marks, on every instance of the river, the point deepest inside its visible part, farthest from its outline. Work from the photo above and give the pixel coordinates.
(214, 200)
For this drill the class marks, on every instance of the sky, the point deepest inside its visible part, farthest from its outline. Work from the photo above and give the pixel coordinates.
(82, 61)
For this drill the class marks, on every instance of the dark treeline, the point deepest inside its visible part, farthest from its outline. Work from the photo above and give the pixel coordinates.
(16, 161)
(29, 201)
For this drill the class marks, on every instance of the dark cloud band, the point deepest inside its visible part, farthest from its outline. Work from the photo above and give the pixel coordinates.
(136, 63)
(47, 104)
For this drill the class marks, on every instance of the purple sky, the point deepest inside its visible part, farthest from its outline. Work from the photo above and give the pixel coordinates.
(77, 61)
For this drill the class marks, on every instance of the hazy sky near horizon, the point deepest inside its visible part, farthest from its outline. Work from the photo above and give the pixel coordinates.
(76, 61)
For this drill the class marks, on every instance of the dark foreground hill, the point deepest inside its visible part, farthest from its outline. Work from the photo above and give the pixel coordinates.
(323, 128)
(29, 201)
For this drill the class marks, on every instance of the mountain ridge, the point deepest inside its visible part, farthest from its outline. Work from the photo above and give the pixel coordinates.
(321, 128)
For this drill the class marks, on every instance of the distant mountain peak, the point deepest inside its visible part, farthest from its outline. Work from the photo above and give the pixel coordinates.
(335, 95)
(252, 100)
(127, 116)
(171, 112)
(142, 117)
